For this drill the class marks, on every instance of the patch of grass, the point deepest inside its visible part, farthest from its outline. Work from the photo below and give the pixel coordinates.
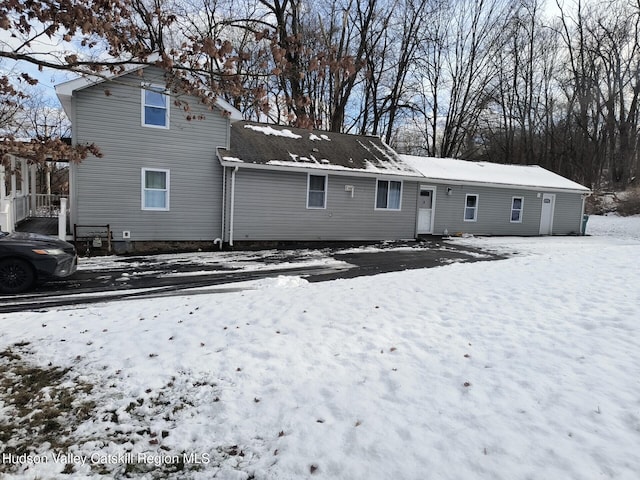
(45, 406)
(42, 405)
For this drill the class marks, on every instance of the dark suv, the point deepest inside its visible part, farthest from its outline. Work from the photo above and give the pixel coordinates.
(27, 258)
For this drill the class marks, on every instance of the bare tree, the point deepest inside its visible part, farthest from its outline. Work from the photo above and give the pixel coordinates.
(457, 69)
(602, 90)
(113, 34)
(514, 123)
(357, 36)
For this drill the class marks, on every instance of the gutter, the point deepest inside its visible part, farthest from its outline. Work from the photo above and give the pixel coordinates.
(535, 188)
(346, 172)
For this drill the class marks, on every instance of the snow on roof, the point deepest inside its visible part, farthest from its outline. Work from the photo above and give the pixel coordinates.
(314, 137)
(273, 146)
(454, 170)
(268, 130)
(324, 164)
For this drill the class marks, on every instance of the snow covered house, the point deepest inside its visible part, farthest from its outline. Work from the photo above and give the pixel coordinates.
(457, 196)
(163, 178)
(295, 184)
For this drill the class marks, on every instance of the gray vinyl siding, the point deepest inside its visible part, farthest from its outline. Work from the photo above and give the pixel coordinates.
(108, 190)
(272, 205)
(494, 211)
(567, 216)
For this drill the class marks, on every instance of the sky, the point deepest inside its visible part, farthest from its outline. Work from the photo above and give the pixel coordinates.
(49, 78)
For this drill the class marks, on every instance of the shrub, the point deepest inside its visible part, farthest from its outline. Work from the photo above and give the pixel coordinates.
(629, 202)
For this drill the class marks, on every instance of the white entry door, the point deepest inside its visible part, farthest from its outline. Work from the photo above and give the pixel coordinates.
(426, 202)
(546, 215)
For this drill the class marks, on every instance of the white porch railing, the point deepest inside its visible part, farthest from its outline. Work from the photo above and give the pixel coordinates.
(6, 222)
(44, 206)
(14, 210)
(20, 207)
(19, 200)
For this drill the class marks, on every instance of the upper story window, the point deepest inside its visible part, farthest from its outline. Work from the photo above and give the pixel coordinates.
(388, 195)
(471, 207)
(155, 189)
(155, 106)
(317, 191)
(517, 204)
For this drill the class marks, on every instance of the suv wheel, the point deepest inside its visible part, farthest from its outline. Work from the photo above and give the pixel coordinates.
(16, 276)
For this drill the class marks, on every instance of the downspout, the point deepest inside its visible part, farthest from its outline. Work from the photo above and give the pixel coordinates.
(224, 204)
(233, 201)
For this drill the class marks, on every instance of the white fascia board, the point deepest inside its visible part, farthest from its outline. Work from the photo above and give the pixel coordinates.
(227, 107)
(65, 90)
(70, 86)
(319, 170)
(449, 181)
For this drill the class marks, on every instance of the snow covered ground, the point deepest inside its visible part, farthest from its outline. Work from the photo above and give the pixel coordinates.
(613, 225)
(215, 262)
(514, 369)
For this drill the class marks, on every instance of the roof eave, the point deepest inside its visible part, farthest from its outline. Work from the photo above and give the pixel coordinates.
(453, 181)
(319, 169)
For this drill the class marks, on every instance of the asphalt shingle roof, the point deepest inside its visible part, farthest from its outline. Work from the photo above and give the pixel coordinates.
(282, 147)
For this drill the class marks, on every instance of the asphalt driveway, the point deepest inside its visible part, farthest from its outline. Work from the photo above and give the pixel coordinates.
(102, 279)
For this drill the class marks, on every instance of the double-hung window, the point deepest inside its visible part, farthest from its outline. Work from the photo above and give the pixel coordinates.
(155, 106)
(471, 207)
(317, 191)
(155, 189)
(517, 204)
(388, 195)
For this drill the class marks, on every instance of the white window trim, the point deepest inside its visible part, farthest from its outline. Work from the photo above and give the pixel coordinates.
(326, 188)
(143, 189)
(475, 210)
(167, 116)
(375, 200)
(521, 209)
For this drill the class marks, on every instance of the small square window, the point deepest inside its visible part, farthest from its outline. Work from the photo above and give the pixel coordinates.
(388, 195)
(471, 208)
(317, 191)
(517, 204)
(155, 107)
(155, 189)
